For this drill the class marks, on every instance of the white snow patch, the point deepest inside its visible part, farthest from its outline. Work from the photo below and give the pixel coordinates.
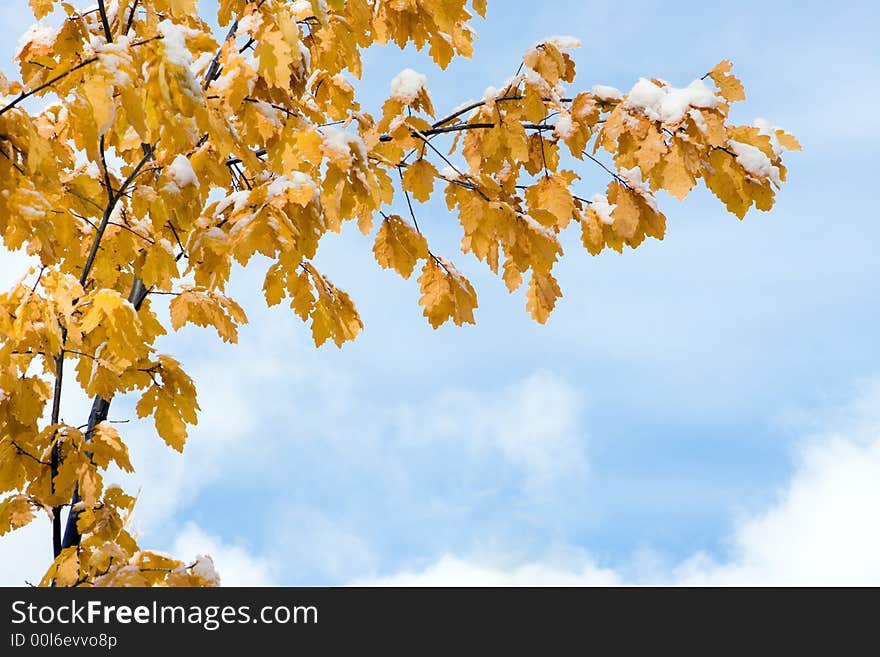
(531, 76)
(202, 62)
(539, 228)
(698, 119)
(182, 173)
(766, 128)
(407, 85)
(37, 34)
(667, 103)
(174, 43)
(564, 42)
(269, 112)
(237, 199)
(293, 180)
(305, 54)
(606, 93)
(564, 126)
(632, 176)
(461, 106)
(603, 208)
(250, 23)
(754, 161)
(204, 568)
(339, 142)
(214, 233)
(301, 9)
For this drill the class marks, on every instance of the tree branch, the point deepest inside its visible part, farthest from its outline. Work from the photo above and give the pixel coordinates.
(108, 212)
(27, 94)
(100, 409)
(613, 175)
(55, 458)
(91, 60)
(408, 201)
(214, 68)
(481, 103)
(112, 200)
(128, 25)
(103, 11)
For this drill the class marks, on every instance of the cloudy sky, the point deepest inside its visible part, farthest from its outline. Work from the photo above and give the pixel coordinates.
(702, 410)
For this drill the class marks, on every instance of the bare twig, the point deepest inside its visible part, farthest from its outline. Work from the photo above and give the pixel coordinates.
(613, 175)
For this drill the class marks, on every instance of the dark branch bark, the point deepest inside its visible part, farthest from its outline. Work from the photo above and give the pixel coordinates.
(103, 11)
(108, 212)
(214, 68)
(55, 460)
(100, 409)
(27, 94)
(232, 161)
(131, 14)
(480, 103)
(91, 60)
(100, 406)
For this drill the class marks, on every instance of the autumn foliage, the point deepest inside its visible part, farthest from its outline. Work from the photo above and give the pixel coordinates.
(142, 156)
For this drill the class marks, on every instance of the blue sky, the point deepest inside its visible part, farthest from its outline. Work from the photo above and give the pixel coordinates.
(703, 409)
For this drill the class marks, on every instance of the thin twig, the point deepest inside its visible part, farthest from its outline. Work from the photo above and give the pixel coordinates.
(91, 60)
(408, 200)
(481, 103)
(614, 175)
(27, 94)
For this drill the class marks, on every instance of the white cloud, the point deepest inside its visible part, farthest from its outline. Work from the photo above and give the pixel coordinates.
(821, 531)
(310, 543)
(533, 424)
(236, 565)
(26, 554)
(452, 571)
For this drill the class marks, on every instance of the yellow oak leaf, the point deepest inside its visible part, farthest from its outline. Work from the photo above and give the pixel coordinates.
(333, 313)
(446, 294)
(15, 513)
(552, 194)
(672, 172)
(204, 307)
(626, 211)
(651, 149)
(275, 56)
(419, 179)
(171, 400)
(399, 246)
(788, 141)
(106, 445)
(42, 8)
(592, 233)
(542, 295)
(65, 570)
(731, 88)
(159, 266)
